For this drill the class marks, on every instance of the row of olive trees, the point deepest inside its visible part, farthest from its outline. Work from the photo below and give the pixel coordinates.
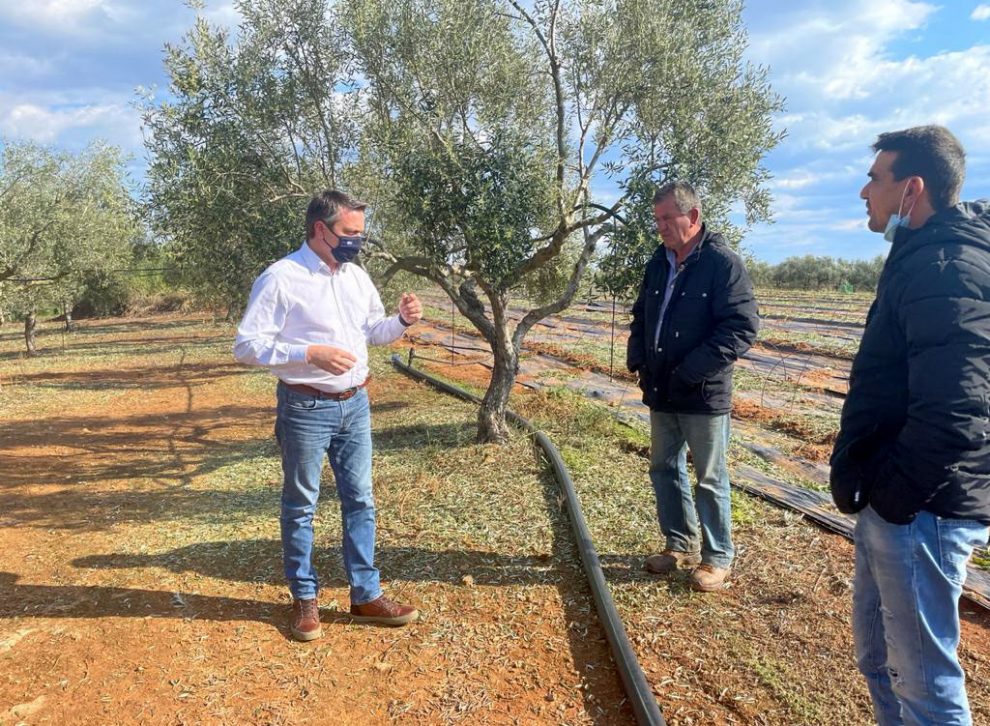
(488, 135)
(65, 220)
(818, 273)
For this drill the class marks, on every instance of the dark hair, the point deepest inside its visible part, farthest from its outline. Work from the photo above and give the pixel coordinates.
(932, 153)
(685, 197)
(326, 207)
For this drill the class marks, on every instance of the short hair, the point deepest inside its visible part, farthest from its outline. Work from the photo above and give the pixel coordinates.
(934, 154)
(326, 207)
(685, 197)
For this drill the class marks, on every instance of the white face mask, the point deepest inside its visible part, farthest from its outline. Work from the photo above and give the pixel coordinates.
(897, 221)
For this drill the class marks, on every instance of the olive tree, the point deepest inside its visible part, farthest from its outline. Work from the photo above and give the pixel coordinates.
(252, 126)
(501, 143)
(511, 137)
(63, 217)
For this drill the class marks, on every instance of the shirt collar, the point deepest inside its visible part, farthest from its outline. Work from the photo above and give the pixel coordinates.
(695, 249)
(312, 260)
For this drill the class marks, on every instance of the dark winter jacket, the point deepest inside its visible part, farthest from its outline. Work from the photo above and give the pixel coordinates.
(711, 321)
(914, 433)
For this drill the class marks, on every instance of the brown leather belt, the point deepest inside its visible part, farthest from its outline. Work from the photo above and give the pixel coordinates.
(327, 395)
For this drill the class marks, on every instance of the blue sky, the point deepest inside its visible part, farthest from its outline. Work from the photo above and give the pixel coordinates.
(849, 69)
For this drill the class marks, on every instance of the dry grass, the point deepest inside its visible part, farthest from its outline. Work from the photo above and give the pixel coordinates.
(142, 499)
(149, 456)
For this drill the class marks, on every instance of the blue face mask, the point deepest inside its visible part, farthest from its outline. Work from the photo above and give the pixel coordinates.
(897, 221)
(347, 248)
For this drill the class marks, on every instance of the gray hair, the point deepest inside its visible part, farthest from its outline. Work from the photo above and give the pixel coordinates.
(685, 197)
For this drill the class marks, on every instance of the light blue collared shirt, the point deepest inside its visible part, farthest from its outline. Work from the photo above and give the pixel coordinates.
(673, 270)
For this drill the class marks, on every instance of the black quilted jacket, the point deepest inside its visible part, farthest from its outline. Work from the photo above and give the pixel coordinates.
(711, 321)
(915, 426)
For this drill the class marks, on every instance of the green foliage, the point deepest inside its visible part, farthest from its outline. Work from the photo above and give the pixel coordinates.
(64, 219)
(619, 270)
(254, 128)
(103, 294)
(818, 273)
(702, 115)
(473, 204)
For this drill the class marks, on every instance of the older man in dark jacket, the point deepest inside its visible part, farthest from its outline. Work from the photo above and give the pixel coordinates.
(913, 453)
(695, 315)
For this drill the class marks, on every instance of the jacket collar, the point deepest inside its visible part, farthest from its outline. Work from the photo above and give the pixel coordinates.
(964, 223)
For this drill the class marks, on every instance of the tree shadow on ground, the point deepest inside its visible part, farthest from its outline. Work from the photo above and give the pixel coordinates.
(419, 436)
(585, 634)
(53, 340)
(260, 561)
(168, 376)
(168, 447)
(84, 601)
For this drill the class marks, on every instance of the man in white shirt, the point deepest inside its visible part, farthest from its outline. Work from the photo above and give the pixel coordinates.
(309, 320)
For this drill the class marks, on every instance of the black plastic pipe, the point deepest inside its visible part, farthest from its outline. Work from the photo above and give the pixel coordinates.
(634, 682)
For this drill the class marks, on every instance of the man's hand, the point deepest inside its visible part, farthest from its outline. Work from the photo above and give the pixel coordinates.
(333, 360)
(410, 309)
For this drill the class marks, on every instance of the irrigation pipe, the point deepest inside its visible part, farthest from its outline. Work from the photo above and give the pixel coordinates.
(634, 682)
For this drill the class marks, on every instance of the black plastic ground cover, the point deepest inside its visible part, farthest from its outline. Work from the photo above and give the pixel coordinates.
(818, 508)
(634, 682)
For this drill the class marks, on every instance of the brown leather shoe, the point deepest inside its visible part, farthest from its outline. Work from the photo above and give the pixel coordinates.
(384, 611)
(708, 578)
(670, 561)
(305, 624)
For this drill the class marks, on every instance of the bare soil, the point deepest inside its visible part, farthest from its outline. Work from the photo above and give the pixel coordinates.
(140, 570)
(114, 609)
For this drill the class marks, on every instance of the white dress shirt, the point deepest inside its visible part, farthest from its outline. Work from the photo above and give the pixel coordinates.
(297, 302)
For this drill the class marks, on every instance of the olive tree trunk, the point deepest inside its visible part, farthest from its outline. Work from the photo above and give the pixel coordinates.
(30, 326)
(492, 426)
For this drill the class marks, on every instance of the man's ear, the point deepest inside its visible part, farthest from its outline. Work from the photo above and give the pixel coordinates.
(694, 215)
(329, 237)
(913, 191)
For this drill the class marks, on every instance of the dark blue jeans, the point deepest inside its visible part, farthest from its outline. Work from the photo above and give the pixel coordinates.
(309, 430)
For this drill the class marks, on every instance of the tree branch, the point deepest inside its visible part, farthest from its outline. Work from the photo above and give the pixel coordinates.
(537, 314)
(12, 268)
(558, 90)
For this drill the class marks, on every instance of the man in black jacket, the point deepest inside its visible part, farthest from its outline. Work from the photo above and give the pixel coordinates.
(695, 315)
(913, 454)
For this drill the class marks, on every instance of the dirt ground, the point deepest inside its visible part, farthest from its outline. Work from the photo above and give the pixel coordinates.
(140, 572)
(113, 609)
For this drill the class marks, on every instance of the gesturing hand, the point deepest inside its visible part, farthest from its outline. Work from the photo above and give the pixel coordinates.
(333, 360)
(410, 308)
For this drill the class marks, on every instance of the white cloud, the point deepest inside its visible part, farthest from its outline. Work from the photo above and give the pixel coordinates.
(223, 14)
(981, 12)
(850, 225)
(60, 120)
(61, 17)
(950, 88)
(834, 46)
(24, 66)
(116, 22)
(813, 175)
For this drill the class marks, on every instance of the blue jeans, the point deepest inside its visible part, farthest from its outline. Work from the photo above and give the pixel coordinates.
(671, 435)
(906, 615)
(308, 430)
